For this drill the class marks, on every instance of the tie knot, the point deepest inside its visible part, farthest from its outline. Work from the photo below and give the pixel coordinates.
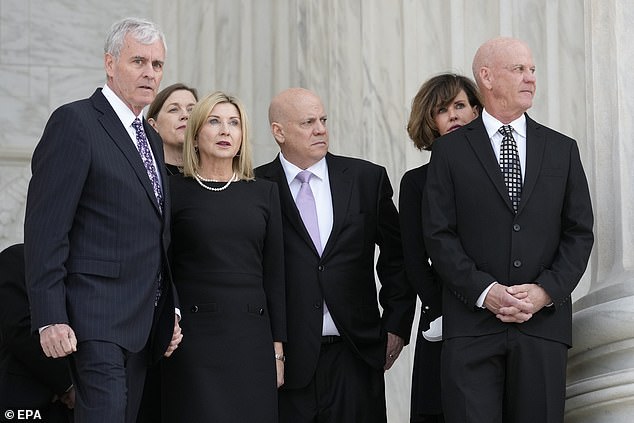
(304, 176)
(506, 130)
(137, 125)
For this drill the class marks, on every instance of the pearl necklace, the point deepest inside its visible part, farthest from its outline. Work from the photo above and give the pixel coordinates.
(200, 180)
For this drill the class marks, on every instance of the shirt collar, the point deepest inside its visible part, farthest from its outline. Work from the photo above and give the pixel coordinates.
(123, 112)
(319, 169)
(492, 124)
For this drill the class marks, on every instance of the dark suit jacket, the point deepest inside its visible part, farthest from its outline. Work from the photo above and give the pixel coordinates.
(95, 239)
(27, 378)
(474, 237)
(364, 216)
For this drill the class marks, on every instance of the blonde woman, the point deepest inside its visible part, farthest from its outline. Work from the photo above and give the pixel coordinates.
(228, 268)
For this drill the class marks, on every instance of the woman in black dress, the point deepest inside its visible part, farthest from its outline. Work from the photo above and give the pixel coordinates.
(168, 115)
(443, 103)
(228, 268)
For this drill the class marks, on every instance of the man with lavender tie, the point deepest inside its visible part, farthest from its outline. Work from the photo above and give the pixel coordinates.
(97, 230)
(335, 211)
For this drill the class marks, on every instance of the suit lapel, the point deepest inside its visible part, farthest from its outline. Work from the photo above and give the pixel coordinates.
(535, 146)
(275, 173)
(481, 144)
(119, 135)
(340, 191)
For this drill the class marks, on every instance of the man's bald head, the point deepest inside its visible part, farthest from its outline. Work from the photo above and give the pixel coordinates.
(504, 71)
(492, 52)
(298, 123)
(286, 102)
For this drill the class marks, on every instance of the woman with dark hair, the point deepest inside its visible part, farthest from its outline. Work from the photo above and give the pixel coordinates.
(168, 114)
(443, 104)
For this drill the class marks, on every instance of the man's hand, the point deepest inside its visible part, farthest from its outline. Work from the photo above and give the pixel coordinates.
(177, 337)
(534, 293)
(507, 307)
(394, 346)
(279, 368)
(68, 398)
(58, 340)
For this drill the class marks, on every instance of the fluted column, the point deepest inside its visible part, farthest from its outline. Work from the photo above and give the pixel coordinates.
(601, 364)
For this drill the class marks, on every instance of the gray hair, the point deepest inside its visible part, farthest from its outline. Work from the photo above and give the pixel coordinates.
(142, 30)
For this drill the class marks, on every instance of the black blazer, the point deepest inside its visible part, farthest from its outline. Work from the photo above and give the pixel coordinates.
(95, 238)
(420, 273)
(27, 378)
(424, 280)
(474, 237)
(364, 216)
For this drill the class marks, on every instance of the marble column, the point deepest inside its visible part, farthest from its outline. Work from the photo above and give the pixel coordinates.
(601, 364)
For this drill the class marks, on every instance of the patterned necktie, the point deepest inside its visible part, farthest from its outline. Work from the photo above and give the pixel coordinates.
(307, 209)
(146, 156)
(510, 165)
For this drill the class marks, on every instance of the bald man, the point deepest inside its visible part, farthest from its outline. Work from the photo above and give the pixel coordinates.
(509, 252)
(339, 344)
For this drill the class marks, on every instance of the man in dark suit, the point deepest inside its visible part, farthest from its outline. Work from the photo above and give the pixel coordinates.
(508, 225)
(338, 342)
(28, 379)
(97, 231)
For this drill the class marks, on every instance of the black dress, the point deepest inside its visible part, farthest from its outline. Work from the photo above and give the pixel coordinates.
(425, 403)
(228, 269)
(172, 169)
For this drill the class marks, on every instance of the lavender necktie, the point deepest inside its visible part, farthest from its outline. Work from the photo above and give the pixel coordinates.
(510, 165)
(146, 156)
(307, 209)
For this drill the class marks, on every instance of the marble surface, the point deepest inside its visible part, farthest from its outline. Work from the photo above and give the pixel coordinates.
(366, 59)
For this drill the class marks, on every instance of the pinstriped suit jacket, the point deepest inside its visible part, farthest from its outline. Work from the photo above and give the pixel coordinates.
(95, 239)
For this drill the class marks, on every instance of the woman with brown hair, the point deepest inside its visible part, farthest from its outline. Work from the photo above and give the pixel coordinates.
(443, 104)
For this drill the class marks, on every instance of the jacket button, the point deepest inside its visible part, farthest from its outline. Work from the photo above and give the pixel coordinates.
(517, 263)
(261, 312)
(320, 268)
(194, 309)
(517, 227)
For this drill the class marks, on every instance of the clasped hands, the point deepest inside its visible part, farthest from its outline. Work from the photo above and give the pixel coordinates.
(517, 303)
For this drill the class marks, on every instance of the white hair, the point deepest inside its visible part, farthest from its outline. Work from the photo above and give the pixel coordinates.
(144, 31)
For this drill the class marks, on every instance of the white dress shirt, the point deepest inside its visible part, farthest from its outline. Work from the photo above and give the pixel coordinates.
(492, 125)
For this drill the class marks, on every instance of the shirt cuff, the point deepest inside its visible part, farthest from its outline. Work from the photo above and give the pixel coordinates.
(482, 297)
(40, 330)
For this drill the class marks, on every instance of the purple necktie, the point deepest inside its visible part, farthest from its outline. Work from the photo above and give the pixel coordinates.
(510, 165)
(146, 156)
(307, 209)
